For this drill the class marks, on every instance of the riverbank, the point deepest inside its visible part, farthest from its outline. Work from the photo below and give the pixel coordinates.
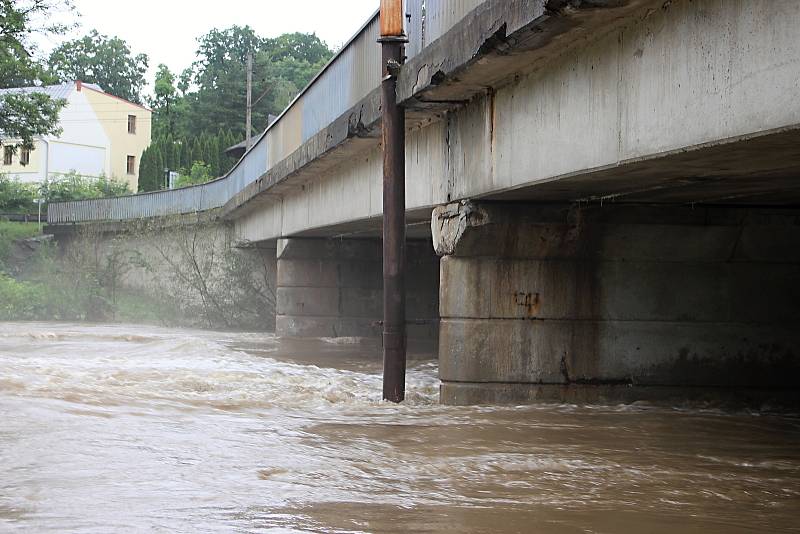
(38, 283)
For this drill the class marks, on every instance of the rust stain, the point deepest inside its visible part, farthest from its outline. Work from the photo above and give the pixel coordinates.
(530, 301)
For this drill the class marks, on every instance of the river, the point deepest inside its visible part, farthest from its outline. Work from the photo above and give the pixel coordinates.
(140, 429)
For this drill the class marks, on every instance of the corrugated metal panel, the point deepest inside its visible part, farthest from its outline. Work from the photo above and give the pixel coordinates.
(415, 28)
(285, 135)
(441, 15)
(349, 77)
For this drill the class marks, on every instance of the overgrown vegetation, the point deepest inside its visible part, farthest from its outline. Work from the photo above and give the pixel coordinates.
(21, 301)
(20, 197)
(180, 275)
(197, 268)
(16, 196)
(75, 187)
(11, 232)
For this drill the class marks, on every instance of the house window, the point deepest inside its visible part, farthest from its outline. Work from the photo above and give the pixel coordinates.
(131, 124)
(8, 154)
(25, 156)
(131, 164)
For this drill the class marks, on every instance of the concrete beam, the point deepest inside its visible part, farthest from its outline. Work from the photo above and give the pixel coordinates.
(497, 41)
(638, 112)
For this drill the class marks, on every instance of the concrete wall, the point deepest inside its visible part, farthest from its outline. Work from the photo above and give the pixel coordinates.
(333, 288)
(186, 272)
(560, 303)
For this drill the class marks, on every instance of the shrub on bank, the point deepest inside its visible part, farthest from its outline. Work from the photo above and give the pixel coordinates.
(75, 187)
(20, 301)
(20, 197)
(16, 196)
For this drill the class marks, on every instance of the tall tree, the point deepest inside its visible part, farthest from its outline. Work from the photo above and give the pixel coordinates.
(281, 67)
(299, 47)
(24, 116)
(106, 61)
(219, 78)
(169, 109)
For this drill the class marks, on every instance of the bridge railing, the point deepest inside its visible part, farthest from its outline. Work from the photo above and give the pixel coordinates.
(349, 77)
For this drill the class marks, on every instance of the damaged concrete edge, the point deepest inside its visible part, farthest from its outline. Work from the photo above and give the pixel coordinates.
(493, 27)
(488, 28)
(449, 222)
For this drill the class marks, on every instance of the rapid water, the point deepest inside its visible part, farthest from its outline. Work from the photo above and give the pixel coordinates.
(137, 429)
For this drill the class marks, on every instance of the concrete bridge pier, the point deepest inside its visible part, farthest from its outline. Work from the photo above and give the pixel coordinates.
(332, 287)
(585, 303)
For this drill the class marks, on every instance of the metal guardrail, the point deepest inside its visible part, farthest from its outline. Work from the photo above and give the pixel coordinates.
(349, 77)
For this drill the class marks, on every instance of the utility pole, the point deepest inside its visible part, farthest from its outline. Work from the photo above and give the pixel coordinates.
(394, 203)
(249, 119)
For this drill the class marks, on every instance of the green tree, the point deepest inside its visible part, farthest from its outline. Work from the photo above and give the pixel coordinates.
(106, 61)
(146, 170)
(186, 154)
(197, 149)
(219, 78)
(299, 47)
(169, 107)
(16, 196)
(214, 155)
(169, 153)
(25, 115)
(176, 155)
(281, 67)
(199, 173)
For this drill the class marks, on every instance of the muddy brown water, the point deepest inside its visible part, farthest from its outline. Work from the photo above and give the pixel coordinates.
(139, 429)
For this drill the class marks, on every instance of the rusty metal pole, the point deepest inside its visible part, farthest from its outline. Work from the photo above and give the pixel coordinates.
(394, 204)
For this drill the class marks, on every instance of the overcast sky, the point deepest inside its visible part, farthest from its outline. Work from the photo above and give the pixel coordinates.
(167, 30)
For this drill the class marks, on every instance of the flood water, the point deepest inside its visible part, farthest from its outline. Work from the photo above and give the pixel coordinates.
(138, 429)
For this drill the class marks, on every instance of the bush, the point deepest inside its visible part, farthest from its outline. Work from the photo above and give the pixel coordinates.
(16, 196)
(200, 173)
(75, 187)
(21, 300)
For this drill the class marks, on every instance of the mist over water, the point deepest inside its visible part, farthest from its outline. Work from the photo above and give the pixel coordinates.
(140, 429)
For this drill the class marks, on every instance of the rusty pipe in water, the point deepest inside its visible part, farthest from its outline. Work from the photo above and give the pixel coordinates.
(394, 209)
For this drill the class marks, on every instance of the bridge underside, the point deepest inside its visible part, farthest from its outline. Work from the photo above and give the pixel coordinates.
(672, 277)
(763, 170)
(613, 188)
(599, 241)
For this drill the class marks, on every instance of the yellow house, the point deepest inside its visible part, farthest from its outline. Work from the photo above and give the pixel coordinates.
(102, 136)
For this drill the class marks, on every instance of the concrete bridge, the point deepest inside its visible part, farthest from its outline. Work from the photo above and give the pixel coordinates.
(602, 196)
